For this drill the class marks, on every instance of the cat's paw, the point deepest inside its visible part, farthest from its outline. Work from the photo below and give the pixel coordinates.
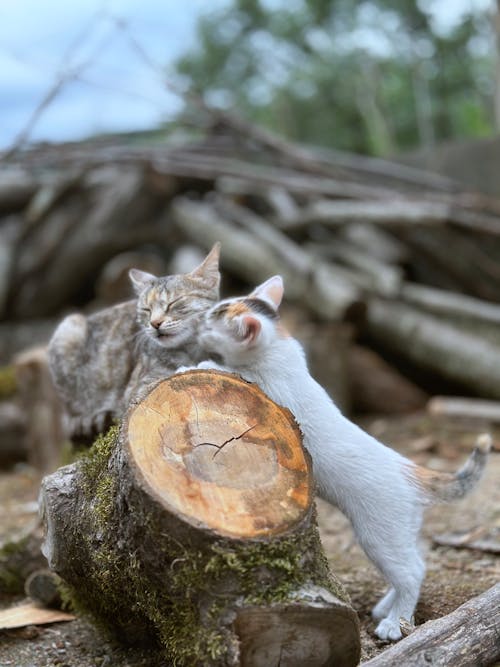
(383, 606)
(388, 630)
(209, 365)
(183, 369)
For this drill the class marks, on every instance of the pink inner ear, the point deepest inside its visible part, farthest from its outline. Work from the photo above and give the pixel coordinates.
(252, 328)
(270, 291)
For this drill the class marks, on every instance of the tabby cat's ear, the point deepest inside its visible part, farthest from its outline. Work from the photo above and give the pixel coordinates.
(140, 279)
(271, 291)
(208, 270)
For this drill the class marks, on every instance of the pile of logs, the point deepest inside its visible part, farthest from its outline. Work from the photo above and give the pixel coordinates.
(410, 259)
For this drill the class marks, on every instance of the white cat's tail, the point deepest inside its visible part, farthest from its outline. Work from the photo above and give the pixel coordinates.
(439, 486)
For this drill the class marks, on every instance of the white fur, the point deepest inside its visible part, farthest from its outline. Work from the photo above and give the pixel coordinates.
(366, 480)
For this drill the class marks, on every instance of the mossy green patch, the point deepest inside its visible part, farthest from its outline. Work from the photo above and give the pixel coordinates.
(8, 382)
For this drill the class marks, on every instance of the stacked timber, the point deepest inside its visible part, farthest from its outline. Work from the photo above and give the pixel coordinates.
(409, 259)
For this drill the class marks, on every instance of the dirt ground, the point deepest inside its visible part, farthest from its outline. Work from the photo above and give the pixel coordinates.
(453, 576)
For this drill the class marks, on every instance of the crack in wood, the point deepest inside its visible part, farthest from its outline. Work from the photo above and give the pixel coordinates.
(226, 442)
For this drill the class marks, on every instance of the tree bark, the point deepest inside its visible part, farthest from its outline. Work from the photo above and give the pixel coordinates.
(395, 211)
(457, 355)
(193, 524)
(450, 305)
(378, 388)
(326, 291)
(469, 408)
(468, 637)
(44, 436)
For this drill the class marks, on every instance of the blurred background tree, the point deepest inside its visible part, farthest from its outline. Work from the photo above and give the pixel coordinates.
(373, 77)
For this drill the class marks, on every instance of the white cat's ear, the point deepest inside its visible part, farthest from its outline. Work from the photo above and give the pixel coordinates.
(271, 291)
(251, 328)
(209, 268)
(140, 279)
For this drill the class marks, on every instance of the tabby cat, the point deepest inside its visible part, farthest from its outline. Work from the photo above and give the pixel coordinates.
(101, 362)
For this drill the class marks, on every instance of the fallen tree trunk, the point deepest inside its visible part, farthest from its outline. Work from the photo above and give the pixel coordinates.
(194, 525)
(468, 637)
(444, 303)
(44, 435)
(326, 291)
(456, 355)
(469, 408)
(394, 212)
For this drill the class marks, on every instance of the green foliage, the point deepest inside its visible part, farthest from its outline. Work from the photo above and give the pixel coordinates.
(372, 76)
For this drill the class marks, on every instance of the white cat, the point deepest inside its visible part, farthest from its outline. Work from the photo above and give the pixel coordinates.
(381, 492)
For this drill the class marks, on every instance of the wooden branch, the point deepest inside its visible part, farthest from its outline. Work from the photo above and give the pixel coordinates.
(450, 304)
(426, 340)
(17, 186)
(378, 388)
(376, 242)
(469, 267)
(119, 214)
(469, 408)
(380, 278)
(393, 212)
(194, 527)
(44, 435)
(326, 291)
(298, 260)
(480, 538)
(386, 170)
(468, 637)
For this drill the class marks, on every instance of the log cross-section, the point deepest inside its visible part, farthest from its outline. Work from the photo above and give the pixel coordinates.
(192, 526)
(217, 452)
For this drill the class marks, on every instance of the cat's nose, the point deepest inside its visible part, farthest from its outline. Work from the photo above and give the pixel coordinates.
(156, 323)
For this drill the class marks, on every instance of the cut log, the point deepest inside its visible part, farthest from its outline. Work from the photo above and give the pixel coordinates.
(378, 388)
(482, 539)
(42, 586)
(468, 267)
(394, 212)
(470, 408)
(375, 242)
(425, 340)
(451, 305)
(44, 435)
(326, 291)
(193, 524)
(468, 637)
(378, 276)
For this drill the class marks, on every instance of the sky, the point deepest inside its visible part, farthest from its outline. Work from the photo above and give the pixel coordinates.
(112, 83)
